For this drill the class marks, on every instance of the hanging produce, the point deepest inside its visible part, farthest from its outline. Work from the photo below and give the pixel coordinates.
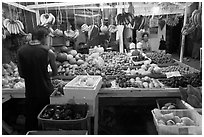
(112, 28)
(196, 17)
(188, 28)
(144, 23)
(13, 26)
(172, 20)
(47, 18)
(161, 23)
(103, 27)
(124, 18)
(84, 28)
(195, 21)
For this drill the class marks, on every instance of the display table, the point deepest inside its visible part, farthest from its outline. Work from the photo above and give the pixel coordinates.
(131, 93)
(111, 93)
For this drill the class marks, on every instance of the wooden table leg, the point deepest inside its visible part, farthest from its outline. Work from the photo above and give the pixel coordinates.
(96, 116)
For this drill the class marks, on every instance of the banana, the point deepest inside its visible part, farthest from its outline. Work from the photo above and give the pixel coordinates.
(42, 19)
(17, 28)
(11, 28)
(195, 19)
(5, 22)
(14, 28)
(20, 24)
(53, 19)
(8, 27)
(199, 19)
(193, 13)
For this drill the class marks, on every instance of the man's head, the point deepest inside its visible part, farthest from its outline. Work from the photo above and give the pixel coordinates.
(40, 33)
(145, 36)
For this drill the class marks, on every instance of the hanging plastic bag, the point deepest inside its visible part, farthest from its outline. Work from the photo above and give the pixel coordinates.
(153, 22)
(162, 45)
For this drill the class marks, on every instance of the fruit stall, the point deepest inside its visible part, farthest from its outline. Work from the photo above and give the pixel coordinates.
(102, 88)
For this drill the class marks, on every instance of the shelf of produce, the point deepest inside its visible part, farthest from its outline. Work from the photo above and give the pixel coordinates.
(14, 93)
(139, 92)
(185, 65)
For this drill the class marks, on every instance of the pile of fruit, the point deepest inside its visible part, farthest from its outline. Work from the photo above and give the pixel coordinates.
(192, 95)
(182, 70)
(145, 82)
(171, 119)
(194, 79)
(69, 56)
(84, 81)
(61, 112)
(160, 58)
(106, 83)
(10, 76)
(169, 106)
(115, 58)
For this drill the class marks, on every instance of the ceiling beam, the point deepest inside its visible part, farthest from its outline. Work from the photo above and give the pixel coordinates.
(19, 6)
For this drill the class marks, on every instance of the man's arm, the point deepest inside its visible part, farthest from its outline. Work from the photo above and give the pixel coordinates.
(19, 65)
(53, 65)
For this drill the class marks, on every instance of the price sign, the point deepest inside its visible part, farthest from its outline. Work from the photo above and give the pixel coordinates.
(173, 74)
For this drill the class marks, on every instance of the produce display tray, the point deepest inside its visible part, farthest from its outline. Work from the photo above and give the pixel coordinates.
(176, 101)
(76, 124)
(180, 130)
(72, 83)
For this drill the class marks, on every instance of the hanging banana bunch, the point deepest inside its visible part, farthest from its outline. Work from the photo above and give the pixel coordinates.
(195, 21)
(13, 26)
(196, 17)
(188, 28)
(46, 19)
(172, 20)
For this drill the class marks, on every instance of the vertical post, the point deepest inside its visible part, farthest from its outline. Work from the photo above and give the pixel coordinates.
(37, 15)
(183, 36)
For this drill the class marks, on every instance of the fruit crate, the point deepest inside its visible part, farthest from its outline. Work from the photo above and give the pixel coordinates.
(75, 124)
(178, 103)
(57, 99)
(179, 130)
(61, 132)
(83, 94)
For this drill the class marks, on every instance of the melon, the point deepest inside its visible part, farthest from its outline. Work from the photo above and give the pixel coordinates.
(73, 52)
(79, 62)
(78, 56)
(135, 53)
(61, 57)
(58, 63)
(69, 56)
(72, 61)
(64, 49)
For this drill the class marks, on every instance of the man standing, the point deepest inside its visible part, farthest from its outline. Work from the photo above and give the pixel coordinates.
(33, 61)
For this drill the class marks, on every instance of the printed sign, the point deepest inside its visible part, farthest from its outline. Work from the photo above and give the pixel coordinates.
(173, 74)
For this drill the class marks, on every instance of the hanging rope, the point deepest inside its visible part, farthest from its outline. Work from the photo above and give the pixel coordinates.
(10, 12)
(67, 17)
(26, 25)
(85, 14)
(74, 17)
(92, 15)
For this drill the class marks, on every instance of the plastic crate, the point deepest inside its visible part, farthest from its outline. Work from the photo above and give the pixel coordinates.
(77, 124)
(63, 100)
(180, 130)
(62, 132)
(176, 101)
